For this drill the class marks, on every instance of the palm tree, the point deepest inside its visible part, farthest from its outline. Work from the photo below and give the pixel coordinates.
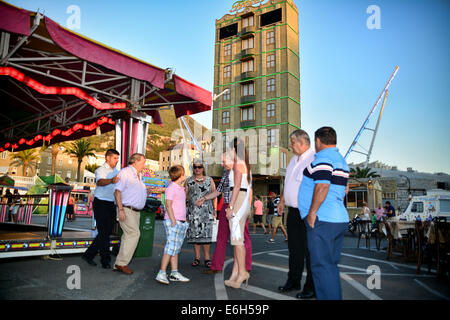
(25, 159)
(363, 173)
(80, 149)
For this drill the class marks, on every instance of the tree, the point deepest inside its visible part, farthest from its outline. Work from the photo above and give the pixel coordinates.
(91, 167)
(363, 173)
(25, 159)
(80, 149)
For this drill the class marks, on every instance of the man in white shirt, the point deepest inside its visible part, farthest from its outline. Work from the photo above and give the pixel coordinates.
(297, 244)
(104, 209)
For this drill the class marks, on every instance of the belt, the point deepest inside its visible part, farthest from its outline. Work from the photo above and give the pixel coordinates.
(132, 208)
(241, 189)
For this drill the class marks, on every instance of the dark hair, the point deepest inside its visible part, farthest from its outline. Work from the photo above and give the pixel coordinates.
(242, 153)
(388, 202)
(326, 135)
(175, 172)
(110, 152)
(258, 197)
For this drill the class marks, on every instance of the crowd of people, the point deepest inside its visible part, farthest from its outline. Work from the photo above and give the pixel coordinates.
(314, 189)
(13, 201)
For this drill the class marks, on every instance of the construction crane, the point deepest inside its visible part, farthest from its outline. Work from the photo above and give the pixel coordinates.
(383, 96)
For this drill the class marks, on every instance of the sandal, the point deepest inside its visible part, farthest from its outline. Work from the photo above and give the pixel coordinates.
(195, 263)
(208, 263)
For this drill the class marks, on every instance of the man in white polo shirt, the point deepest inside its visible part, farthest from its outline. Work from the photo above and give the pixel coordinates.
(297, 244)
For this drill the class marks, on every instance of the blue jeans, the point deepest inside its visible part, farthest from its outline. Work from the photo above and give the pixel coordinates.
(325, 245)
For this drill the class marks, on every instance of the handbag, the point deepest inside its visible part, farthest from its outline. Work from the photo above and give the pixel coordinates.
(215, 229)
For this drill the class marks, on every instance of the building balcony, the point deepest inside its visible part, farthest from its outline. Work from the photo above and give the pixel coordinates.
(248, 99)
(247, 54)
(247, 31)
(247, 123)
(248, 75)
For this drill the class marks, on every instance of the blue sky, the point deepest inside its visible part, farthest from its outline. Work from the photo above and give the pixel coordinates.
(343, 66)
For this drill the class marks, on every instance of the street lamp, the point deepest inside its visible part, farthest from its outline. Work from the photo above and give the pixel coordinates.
(409, 187)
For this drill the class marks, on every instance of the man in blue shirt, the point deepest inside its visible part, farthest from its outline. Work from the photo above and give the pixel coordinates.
(390, 211)
(321, 205)
(104, 209)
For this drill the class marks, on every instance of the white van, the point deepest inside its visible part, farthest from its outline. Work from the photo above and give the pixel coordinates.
(435, 204)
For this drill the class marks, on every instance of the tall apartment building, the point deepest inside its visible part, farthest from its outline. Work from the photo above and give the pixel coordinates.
(257, 60)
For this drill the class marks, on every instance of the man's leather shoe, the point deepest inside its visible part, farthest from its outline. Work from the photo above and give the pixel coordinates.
(123, 269)
(288, 287)
(89, 261)
(305, 295)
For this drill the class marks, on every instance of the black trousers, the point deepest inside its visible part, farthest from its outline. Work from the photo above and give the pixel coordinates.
(298, 251)
(105, 215)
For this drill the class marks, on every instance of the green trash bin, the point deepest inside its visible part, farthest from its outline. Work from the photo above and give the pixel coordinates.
(147, 229)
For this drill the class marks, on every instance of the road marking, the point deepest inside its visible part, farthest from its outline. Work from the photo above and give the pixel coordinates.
(221, 291)
(382, 261)
(304, 273)
(423, 285)
(267, 293)
(363, 290)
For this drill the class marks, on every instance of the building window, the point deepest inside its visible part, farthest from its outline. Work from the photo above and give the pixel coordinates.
(49, 161)
(69, 174)
(271, 110)
(248, 65)
(247, 114)
(270, 37)
(70, 161)
(283, 160)
(4, 154)
(226, 117)
(60, 162)
(227, 95)
(355, 198)
(227, 50)
(248, 22)
(389, 195)
(271, 61)
(247, 43)
(227, 72)
(248, 89)
(271, 85)
(271, 136)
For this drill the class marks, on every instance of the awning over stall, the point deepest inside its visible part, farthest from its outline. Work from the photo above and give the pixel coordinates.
(57, 85)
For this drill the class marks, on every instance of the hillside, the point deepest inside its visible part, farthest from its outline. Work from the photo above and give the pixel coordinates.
(159, 138)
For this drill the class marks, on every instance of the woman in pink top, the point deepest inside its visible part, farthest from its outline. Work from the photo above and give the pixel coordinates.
(257, 217)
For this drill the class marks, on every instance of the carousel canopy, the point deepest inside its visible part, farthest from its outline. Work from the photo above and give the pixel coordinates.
(57, 85)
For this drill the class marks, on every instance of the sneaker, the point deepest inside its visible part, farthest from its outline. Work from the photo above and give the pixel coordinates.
(271, 240)
(176, 276)
(162, 278)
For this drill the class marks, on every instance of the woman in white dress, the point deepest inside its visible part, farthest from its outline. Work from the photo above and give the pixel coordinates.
(239, 210)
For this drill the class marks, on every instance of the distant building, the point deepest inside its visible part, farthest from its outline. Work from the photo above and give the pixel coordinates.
(178, 154)
(66, 166)
(399, 186)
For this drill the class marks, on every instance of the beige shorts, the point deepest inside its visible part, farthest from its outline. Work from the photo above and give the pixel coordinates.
(277, 222)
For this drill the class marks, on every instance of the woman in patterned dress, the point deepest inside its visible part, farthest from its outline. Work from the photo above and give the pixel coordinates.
(201, 219)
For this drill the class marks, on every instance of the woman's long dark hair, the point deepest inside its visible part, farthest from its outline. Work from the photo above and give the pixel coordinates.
(242, 153)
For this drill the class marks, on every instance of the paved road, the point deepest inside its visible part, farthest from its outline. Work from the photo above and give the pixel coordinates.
(41, 278)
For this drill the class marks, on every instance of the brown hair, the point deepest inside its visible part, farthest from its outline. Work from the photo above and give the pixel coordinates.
(175, 172)
(242, 153)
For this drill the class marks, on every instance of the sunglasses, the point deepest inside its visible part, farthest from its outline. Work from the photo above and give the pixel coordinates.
(198, 167)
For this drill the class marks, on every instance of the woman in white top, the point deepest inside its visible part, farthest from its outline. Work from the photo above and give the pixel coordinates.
(239, 210)
(365, 212)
